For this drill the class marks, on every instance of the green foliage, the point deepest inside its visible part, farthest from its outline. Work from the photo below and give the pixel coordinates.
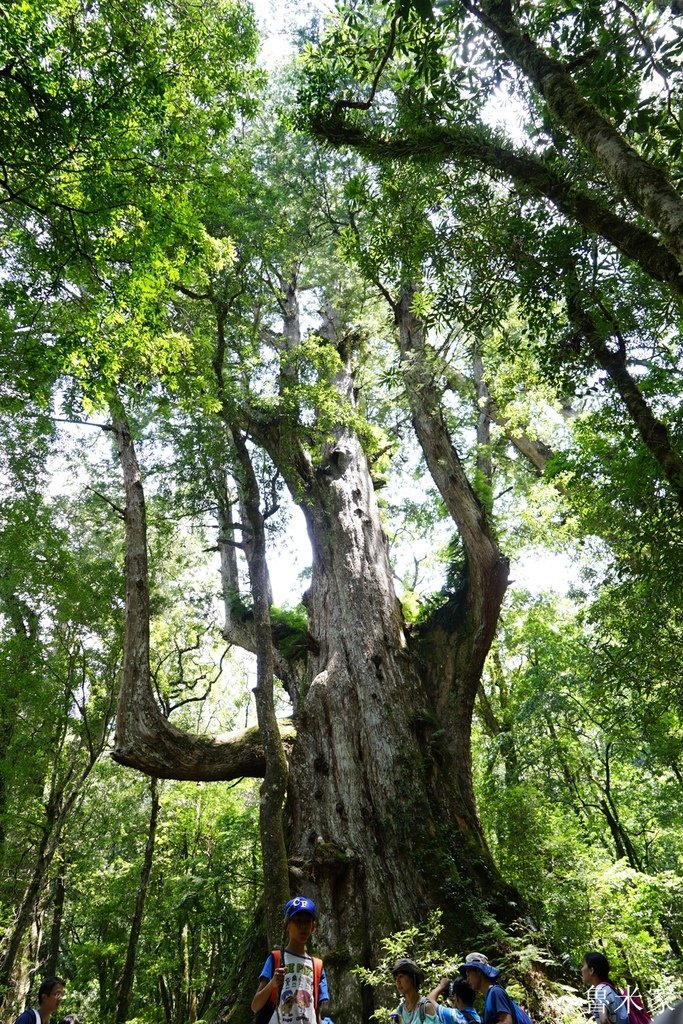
(290, 631)
(419, 943)
(573, 773)
(194, 921)
(166, 238)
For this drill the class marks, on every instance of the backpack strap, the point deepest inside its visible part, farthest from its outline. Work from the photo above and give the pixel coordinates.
(275, 953)
(422, 1009)
(317, 974)
(509, 1000)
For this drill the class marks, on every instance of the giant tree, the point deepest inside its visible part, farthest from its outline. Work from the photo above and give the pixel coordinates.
(380, 821)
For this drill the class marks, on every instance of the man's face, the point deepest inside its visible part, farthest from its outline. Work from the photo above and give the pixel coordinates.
(51, 1003)
(301, 926)
(474, 978)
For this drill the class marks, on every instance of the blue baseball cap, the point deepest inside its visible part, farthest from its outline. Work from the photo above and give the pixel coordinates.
(298, 905)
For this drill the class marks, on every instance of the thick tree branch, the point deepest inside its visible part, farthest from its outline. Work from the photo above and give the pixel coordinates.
(145, 740)
(274, 786)
(652, 431)
(477, 146)
(487, 569)
(645, 186)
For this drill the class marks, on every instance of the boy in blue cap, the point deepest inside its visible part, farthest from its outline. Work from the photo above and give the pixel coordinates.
(293, 982)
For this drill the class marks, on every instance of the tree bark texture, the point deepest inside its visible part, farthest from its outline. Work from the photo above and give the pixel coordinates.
(51, 962)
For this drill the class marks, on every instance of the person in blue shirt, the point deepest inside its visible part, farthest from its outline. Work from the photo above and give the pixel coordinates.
(50, 995)
(293, 980)
(482, 977)
(461, 995)
(414, 1009)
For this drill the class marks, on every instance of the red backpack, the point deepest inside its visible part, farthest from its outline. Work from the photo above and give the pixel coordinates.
(262, 1017)
(637, 1014)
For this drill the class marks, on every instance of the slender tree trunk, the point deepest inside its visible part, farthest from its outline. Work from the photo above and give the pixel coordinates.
(274, 785)
(144, 738)
(51, 962)
(57, 811)
(125, 986)
(166, 1000)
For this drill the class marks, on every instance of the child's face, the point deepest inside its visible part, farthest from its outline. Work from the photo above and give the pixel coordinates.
(300, 927)
(405, 983)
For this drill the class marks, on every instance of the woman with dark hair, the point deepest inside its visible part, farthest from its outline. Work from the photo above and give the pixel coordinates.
(606, 1002)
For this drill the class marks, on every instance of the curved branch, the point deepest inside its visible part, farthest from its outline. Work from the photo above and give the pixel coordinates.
(145, 740)
(477, 146)
(487, 568)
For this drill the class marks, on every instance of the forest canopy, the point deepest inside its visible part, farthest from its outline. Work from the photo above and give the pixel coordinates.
(342, 478)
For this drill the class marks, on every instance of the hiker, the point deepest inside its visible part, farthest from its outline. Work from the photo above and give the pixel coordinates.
(50, 995)
(499, 1007)
(292, 984)
(461, 995)
(412, 1009)
(606, 1002)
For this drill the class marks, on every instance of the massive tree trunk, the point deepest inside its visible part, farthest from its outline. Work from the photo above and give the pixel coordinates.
(381, 820)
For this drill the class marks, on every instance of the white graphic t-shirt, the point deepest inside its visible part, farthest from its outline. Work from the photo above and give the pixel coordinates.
(296, 1005)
